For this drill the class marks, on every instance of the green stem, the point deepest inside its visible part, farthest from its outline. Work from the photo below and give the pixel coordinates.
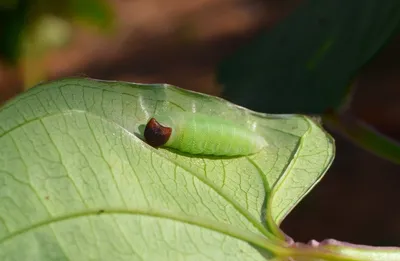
(364, 135)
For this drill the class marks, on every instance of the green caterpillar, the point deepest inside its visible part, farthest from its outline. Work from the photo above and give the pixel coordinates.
(197, 133)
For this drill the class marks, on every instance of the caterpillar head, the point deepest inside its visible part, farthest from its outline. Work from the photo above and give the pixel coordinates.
(155, 134)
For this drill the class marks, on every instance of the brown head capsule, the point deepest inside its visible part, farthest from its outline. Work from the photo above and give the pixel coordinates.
(155, 134)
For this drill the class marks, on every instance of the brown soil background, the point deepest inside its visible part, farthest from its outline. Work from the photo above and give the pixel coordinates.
(180, 42)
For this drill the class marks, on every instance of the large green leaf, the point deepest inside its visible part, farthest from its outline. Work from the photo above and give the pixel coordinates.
(77, 182)
(307, 62)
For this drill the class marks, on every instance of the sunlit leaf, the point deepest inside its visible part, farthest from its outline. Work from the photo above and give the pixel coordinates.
(78, 183)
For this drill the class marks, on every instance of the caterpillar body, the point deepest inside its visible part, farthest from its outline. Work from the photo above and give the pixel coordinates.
(197, 133)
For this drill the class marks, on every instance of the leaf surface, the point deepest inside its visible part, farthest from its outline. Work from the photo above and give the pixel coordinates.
(78, 183)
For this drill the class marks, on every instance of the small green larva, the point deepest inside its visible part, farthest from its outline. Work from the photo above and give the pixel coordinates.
(197, 133)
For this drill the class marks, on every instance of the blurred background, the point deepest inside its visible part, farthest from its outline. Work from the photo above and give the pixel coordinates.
(181, 42)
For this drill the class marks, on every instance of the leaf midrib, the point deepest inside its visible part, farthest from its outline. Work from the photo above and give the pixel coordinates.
(255, 222)
(202, 222)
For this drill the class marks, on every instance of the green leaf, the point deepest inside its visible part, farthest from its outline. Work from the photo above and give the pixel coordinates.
(78, 183)
(306, 63)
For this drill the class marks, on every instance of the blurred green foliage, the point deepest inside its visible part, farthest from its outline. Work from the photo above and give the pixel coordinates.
(19, 20)
(306, 63)
(13, 19)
